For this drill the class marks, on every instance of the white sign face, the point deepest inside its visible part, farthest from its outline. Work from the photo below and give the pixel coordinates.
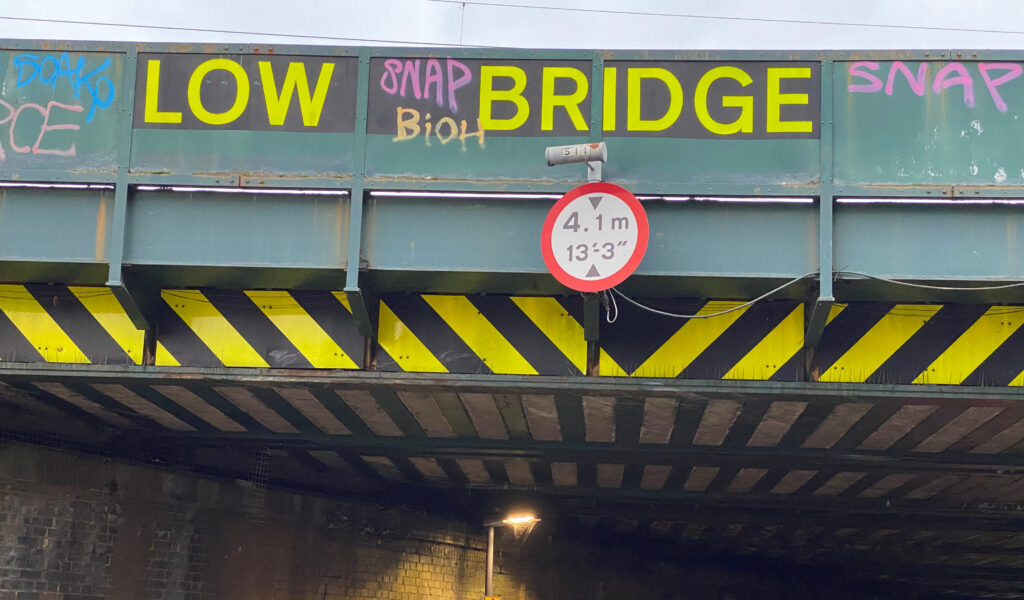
(594, 237)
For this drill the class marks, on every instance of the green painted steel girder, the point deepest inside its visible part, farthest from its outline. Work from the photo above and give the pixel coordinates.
(871, 142)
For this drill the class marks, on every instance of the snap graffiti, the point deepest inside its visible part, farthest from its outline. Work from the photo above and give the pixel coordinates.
(33, 121)
(952, 74)
(400, 77)
(51, 70)
(445, 130)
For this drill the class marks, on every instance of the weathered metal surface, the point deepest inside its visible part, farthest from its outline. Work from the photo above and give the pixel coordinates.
(929, 122)
(922, 118)
(716, 123)
(59, 110)
(244, 229)
(930, 241)
(55, 225)
(687, 238)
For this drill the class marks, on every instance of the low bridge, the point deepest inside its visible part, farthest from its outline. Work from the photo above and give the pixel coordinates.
(328, 259)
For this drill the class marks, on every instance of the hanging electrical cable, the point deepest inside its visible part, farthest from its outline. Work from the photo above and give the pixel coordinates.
(838, 275)
(717, 314)
(925, 286)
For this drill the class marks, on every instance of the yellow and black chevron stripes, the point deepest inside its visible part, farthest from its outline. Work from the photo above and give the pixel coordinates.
(66, 324)
(727, 341)
(863, 342)
(280, 329)
(924, 343)
(481, 334)
(979, 345)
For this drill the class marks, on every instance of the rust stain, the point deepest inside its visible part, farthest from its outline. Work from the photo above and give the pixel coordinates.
(339, 233)
(101, 231)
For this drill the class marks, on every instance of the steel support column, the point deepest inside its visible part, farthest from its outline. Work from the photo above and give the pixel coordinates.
(818, 316)
(362, 306)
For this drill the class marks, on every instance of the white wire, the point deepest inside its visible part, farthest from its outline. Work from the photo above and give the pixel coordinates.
(932, 287)
(717, 314)
(608, 313)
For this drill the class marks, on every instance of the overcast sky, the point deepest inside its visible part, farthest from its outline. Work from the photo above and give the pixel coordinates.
(603, 24)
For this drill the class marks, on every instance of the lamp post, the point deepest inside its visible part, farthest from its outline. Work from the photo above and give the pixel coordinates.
(517, 523)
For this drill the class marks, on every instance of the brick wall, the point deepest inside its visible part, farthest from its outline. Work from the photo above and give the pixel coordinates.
(74, 527)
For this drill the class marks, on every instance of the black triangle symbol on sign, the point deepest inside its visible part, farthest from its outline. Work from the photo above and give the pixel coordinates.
(593, 271)
(595, 200)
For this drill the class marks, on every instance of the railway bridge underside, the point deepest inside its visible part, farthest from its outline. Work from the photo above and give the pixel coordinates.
(199, 281)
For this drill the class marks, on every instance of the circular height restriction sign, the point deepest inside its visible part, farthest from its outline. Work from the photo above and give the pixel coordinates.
(594, 237)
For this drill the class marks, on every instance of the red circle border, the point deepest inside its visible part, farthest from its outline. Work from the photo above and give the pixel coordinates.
(643, 235)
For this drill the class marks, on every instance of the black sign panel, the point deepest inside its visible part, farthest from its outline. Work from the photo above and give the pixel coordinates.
(712, 100)
(463, 96)
(246, 92)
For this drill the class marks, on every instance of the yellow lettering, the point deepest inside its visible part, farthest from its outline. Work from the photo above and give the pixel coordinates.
(153, 114)
(775, 124)
(488, 96)
(675, 106)
(410, 123)
(195, 83)
(745, 122)
(610, 89)
(571, 102)
(295, 80)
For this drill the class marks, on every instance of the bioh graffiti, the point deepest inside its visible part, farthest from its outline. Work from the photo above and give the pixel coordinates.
(430, 82)
(865, 77)
(445, 130)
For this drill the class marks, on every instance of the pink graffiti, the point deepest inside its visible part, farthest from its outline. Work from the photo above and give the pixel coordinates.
(963, 78)
(918, 84)
(1013, 71)
(857, 69)
(403, 77)
(864, 81)
(13, 118)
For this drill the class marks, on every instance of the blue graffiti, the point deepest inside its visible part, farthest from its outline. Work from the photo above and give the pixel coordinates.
(50, 71)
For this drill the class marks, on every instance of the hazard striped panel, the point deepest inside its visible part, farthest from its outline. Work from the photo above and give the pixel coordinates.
(66, 324)
(924, 343)
(867, 342)
(481, 334)
(727, 340)
(280, 329)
